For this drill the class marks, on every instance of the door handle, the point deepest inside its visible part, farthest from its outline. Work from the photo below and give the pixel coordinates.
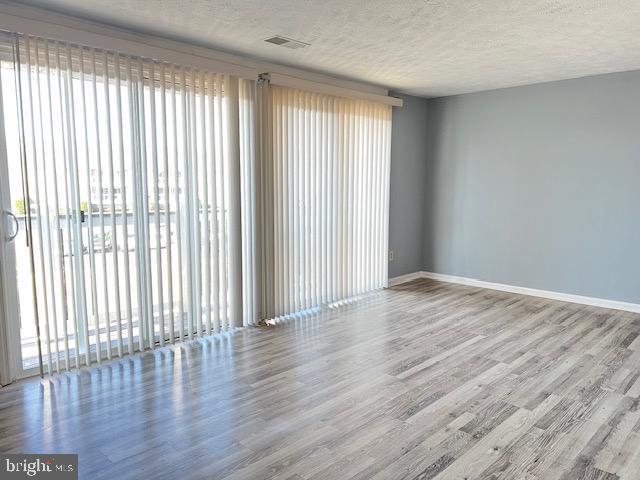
(16, 227)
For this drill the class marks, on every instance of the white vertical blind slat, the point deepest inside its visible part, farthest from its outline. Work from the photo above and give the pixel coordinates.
(55, 251)
(69, 314)
(89, 216)
(41, 224)
(76, 246)
(103, 245)
(195, 260)
(178, 208)
(188, 217)
(167, 207)
(270, 169)
(156, 210)
(213, 201)
(386, 165)
(123, 201)
(234, 245)
(134, 146)
(249, 193)
(223, 269)
(144, 176)
(112, 206)
(204, 181)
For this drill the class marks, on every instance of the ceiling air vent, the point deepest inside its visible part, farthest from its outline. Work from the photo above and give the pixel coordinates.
(286, 42)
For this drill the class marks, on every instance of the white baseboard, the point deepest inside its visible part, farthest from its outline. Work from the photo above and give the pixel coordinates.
(405, 278)
(534, 292)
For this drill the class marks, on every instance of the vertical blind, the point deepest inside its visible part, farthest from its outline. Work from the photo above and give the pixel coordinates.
(166, 203)
(324, 189)
(127, 164)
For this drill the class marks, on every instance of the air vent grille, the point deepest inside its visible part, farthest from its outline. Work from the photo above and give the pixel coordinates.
(286, 42)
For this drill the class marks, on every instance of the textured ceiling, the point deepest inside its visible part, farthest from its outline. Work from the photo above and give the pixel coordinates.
(422, 47)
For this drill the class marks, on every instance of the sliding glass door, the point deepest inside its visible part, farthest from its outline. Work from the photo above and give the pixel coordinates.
(20, 346)
(118, 173)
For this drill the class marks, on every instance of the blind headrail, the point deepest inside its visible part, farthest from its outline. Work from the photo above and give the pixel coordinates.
(318, 87)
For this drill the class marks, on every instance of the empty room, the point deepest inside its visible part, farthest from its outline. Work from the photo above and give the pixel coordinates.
(318, 240)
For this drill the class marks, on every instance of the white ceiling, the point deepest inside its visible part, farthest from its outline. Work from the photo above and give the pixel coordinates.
(422, 47)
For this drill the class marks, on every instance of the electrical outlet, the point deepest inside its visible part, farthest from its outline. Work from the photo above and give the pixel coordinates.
(391, 255)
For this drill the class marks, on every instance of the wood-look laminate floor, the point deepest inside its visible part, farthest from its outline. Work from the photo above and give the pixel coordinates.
(426, 380)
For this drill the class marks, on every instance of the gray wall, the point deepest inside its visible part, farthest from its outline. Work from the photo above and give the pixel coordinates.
(406, 196)
(537, 186)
